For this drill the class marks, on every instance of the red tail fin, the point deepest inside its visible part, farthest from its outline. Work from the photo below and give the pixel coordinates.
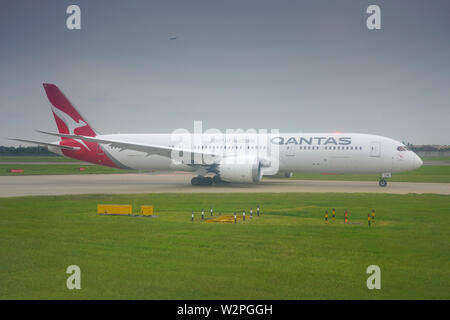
(68, 119)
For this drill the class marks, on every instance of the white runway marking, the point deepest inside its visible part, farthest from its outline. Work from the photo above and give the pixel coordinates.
(165, 182)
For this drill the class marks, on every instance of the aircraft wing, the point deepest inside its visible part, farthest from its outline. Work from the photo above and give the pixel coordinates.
(126, 145)
(47, 144)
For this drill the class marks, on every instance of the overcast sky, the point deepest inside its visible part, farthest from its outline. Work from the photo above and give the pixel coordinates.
(297, 66)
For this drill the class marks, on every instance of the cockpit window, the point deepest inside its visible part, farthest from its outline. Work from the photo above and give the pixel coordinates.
(401, 148)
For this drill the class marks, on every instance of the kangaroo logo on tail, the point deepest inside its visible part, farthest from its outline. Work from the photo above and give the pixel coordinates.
(70, 123)
(68, 119)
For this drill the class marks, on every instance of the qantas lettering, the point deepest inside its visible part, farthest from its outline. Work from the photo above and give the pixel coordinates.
(309, 141)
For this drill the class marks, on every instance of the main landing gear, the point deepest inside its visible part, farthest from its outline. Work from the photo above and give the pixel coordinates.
(206, 181)
(382, 183)
(202, 181)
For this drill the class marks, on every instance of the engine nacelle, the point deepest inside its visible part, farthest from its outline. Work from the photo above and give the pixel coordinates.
(240, 170)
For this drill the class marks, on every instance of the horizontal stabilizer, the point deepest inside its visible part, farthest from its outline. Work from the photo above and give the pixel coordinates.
(47, 144)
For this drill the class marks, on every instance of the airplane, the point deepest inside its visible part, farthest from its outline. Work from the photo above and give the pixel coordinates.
(231, 158)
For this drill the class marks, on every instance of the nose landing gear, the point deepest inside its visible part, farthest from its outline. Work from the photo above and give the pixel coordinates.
(383, 183)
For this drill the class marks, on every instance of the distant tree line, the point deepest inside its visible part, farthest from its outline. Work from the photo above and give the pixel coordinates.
(429, 148)
(25, 151)
(426, 147)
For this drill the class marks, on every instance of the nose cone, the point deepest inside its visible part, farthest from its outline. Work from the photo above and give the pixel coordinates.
(417, 161)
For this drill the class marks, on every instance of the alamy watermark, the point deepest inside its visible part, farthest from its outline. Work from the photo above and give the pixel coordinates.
(234, 146)
(74, 280)
(73, 21)
(374, 280)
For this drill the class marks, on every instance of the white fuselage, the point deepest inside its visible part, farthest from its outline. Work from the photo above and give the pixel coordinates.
(296, 152)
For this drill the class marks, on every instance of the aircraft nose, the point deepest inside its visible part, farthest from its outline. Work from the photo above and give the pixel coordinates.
(417, 161)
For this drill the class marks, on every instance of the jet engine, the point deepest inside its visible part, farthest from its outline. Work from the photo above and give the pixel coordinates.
(240, 170)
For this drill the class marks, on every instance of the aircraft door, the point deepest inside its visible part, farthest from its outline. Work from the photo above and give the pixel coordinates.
(375, 149)
(290, 150)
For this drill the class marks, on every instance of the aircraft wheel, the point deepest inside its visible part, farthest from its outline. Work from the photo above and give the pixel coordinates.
(201, 181)
(216, 179)
(382, 183)
(208, 181)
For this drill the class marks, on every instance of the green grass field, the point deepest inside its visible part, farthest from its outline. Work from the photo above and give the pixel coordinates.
(439, 174)
(49, 169)
(36, 159)
(289, 252)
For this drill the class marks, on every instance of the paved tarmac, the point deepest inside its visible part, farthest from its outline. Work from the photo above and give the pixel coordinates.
(11, 186)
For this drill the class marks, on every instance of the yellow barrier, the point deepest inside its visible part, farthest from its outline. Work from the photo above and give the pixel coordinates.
(114, 209)
(147, 210)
